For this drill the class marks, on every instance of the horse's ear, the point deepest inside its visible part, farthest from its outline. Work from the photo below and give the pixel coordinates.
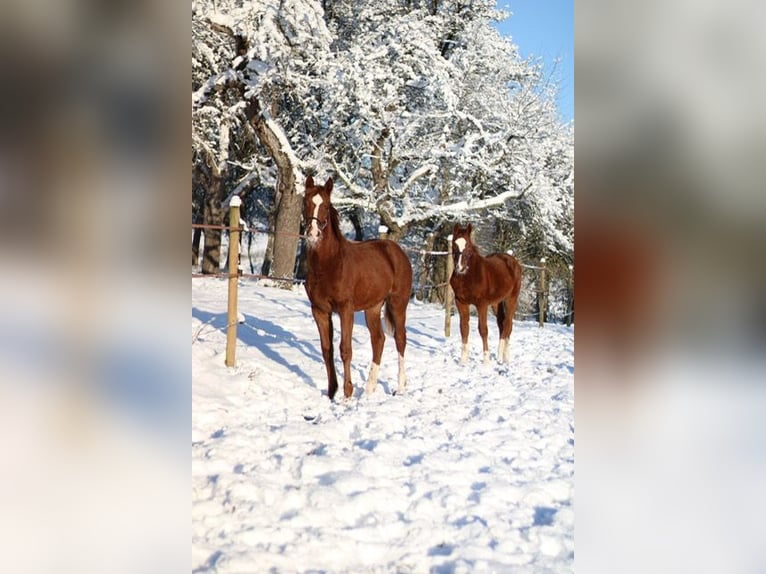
(455, 229)
(309, 182)
(469, 229)
(328, 185)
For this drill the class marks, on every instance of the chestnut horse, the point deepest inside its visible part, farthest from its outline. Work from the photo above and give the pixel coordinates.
(494, 280)
(346, 276)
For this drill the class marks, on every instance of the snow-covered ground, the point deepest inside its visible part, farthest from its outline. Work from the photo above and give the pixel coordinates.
(472, 470)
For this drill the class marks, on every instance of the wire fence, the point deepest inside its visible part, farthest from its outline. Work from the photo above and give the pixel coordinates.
(537, 289)
(423, 287)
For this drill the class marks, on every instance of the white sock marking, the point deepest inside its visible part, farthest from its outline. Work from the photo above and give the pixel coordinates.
(501, 351)
(372, 380)
(402, 376)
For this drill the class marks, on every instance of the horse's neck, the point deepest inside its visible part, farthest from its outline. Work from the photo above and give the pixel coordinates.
(477, 261)
(330, 248)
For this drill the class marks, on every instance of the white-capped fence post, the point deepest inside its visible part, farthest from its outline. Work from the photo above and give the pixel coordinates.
(231, 331)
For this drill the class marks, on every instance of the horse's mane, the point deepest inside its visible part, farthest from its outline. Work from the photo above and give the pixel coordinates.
(335, 221)
(471, 242)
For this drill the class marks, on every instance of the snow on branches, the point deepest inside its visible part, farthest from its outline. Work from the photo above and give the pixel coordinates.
(425, 113)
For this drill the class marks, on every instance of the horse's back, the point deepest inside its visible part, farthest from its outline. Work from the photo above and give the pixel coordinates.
(509, 268)
(381, 267)
(391, 251)
(400, 263)
(511, 264)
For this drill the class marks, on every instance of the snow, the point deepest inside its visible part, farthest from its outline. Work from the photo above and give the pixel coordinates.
(471, 470)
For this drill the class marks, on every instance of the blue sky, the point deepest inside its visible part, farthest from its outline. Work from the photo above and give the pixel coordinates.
(545, 29)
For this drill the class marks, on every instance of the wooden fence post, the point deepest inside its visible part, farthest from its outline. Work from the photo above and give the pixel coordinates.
(448, 295)
(382, 232)
(231, 331)
(541, 300)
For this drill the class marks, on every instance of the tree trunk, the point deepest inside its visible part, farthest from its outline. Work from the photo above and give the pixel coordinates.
(199, 184)
(436, 270)
(213, 215)
(289, 205)
(250, 251)
(303, 263)
(380, 186)
(426, 294)
(196, 238)
(286, 232)
(268, 255)
(443, 231)
(355, 216)
(439, 268)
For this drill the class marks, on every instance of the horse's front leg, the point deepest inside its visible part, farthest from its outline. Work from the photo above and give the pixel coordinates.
(463, 310)
(346, 329)
(483, 330)
(324, 325)
(377, 338)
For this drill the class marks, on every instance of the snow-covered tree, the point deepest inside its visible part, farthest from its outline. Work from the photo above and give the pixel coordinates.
(271, 56)
(422, 110)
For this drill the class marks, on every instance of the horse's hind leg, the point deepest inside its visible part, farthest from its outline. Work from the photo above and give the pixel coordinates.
(483, 330)
(377, 338)
(509, 306)
(396, 314)
(501, 316)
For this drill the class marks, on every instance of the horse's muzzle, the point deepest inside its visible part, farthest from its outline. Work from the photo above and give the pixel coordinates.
(316, 227)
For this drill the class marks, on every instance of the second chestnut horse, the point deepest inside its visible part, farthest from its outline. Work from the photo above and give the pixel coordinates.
(491, 281)
(346, 276)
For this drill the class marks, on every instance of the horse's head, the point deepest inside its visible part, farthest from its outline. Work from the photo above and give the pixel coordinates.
(316, 209)
(462, 247)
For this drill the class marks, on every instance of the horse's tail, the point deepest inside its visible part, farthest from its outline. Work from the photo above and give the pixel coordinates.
(502, 311)
(515, 270)
(389, 318)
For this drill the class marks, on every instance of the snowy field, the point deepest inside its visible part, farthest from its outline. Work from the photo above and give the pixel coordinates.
(472, 470)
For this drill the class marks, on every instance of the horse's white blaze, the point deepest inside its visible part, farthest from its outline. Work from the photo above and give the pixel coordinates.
(372, 380)
(460, 242)
(314, 228)
(402, 376)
